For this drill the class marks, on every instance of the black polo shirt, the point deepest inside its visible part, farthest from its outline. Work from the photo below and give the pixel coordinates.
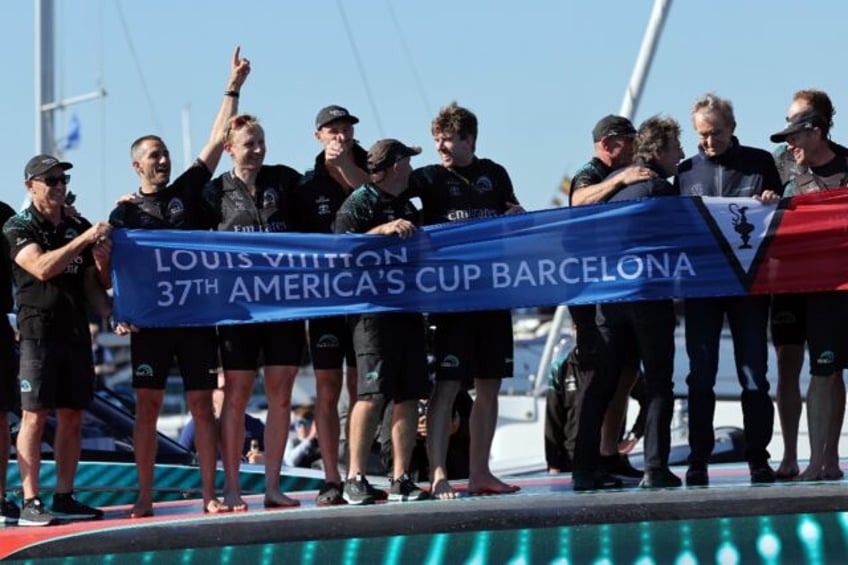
(318, 196)
(483, 189)
(177, 206)
(55, 308)
(231, 207)
(7, 304)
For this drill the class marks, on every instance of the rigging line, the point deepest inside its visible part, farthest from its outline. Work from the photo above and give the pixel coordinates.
(100, 80)
(361, 68)
(138, 68)
(410, 61)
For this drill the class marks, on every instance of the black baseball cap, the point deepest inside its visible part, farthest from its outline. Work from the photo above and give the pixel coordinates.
(387, 152)
(333, 113)
(800, 122)
(40, 164)
(612, 125)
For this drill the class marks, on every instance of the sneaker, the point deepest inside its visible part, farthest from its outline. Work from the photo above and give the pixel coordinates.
(356, 491)
(379, 495)
(619, 464)
(329, 494)
(10, 512)
(697, 476)
(762, 474)
(404, 490)
(660, 478)
(597, 480)
(34, 513)
(66, 506)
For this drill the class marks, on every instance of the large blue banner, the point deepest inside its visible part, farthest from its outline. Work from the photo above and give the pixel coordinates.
(656, 248)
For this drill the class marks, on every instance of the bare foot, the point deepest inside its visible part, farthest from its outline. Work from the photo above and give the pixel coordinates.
(215, 506)
(787, 470)
(234, 502)
(832, 473)
(141, 510)
(810, 474)
(442, 490)
(491, 485)
(279, 500)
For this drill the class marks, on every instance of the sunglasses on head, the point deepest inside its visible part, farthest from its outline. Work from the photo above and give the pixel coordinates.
(54, 181)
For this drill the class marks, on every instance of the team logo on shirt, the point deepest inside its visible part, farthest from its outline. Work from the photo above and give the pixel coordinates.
(176, 208)
(826, 358)
(144, 370)
(327, 341)
(483, 184)
(696, 189)
(322, 206)
(71, 233)
(450, 362)
(454, 190)
(269, 199)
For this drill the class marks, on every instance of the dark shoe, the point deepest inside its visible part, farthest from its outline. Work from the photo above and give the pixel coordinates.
(379, 495)
(66, 506)
(619, 464)
(697, 476)
(404, 490)
(660, 478)
(762, 474)
(10, 512)
(34, 513)
(329, 494)
(594, 481)
(356, 491)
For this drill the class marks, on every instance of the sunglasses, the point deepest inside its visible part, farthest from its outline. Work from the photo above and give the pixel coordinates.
(54, 181)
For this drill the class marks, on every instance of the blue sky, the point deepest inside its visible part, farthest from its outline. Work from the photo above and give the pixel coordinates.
(537, 74)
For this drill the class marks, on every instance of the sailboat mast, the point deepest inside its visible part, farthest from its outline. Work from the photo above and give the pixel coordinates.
(45, 86)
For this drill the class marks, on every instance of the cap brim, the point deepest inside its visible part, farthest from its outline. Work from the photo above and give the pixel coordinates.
(351, 119)
(781, 136)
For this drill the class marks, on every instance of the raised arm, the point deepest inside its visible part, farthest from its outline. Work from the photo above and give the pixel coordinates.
(211, 152)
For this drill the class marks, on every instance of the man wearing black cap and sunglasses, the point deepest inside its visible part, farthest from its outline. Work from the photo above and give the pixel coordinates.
(820, 168)
(340, 167)
(61, 268)
(390, 348)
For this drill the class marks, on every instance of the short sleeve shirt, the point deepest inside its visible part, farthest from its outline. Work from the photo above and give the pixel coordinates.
(55, 308)
(368, 207)
(592, 173)
(231, 207)
(483, 189)
(177, 206)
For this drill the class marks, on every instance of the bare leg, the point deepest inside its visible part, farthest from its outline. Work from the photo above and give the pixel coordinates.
(404, 426)
(820, 407)
(328, 389)
(790, 359)
(484, 418)
(279, 381)
(206, 445)
(616, 413)
(147, 407)
(831, 470)
(67, 447)
(29, 449)
(5, 442)
(439, 415)
(363, 425)
(237, 391)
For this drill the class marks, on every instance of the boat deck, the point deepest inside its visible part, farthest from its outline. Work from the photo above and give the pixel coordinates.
(544, 522)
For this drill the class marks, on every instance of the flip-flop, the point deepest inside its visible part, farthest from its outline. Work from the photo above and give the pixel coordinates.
(274, 504)
(491, 491)
(222, 508)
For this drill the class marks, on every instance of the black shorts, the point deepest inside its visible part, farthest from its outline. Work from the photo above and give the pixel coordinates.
(246, 347)
(196, 350)
(473, 345)
(9, 388)
(56, 374)
(827, 335)
(331, 342)
(788, 319)
(391, 356)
